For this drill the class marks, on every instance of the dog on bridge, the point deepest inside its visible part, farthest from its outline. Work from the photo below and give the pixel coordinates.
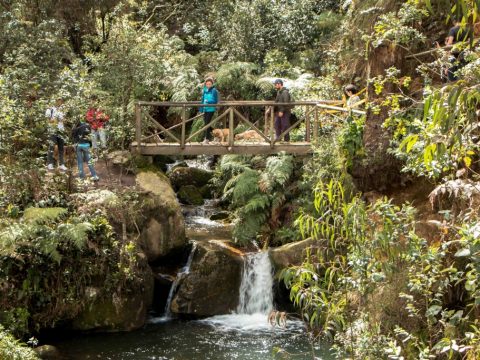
(277, 318)
(249, 135)
(220, 135)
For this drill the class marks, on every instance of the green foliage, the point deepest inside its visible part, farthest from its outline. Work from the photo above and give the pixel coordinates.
(444, 138)
(397, 26)
(351, 138)
(12, 349)
(256, 193)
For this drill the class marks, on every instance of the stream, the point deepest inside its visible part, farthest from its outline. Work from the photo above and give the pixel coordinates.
(243, 335)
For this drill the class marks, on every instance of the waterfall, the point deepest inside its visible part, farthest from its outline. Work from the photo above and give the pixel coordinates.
(256, 289)
(180, 275)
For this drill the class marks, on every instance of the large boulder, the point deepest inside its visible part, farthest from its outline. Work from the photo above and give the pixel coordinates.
(190, 195)
(291, 254)
(116, 312)
(161, 222)
(212, 285)
(182, 176)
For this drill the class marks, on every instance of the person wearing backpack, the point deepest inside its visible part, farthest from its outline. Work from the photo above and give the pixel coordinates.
(282, 112)
(56, 135)
(81, 135)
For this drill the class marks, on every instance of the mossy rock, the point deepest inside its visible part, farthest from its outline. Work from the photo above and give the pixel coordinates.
(182, 176)
(212, 285)
(291, 254)
(160, 220)
(190, 195)
(39, 215)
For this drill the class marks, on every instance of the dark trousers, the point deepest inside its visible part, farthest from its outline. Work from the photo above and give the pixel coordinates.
(55, 139)
(207, 117)
(282, 123)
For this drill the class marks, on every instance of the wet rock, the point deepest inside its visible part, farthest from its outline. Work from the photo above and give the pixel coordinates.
(182, 176)
(161, 221)
(48, 352)
(114, 312)
(290, 254)
(220, 215)
(177, 165)
(120, 157)
(212, 285)
(190, 195)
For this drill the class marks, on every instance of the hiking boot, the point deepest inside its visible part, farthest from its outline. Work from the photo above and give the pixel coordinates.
(95, 178)
(62, 167)
(50, 167)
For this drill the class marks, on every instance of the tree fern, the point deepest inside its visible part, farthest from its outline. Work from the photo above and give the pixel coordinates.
(246, 186)
(77, 234)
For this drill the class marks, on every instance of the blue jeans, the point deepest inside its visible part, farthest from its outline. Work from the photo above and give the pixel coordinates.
(83, 155)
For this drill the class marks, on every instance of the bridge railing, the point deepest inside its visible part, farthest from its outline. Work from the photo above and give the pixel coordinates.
(229, 114)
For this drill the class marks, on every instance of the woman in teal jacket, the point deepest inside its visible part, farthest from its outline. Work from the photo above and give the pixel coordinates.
(209, 96)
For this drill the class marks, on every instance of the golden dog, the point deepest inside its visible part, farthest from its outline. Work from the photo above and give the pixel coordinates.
(249, 135)
(220, 134)
(69, 155)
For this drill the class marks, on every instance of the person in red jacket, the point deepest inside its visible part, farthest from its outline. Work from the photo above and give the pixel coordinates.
(97, 119)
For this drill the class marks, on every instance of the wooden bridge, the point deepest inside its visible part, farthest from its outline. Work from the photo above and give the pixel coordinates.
(153, 137)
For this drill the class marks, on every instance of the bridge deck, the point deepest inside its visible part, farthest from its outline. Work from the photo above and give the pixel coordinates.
(195, 148)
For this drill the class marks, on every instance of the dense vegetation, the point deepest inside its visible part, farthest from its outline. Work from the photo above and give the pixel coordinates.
(375, 283)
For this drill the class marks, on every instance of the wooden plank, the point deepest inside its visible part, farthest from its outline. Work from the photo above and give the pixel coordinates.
(244, 119)
(219, 149)
(160, 126)
(232, 103)
(345, 110)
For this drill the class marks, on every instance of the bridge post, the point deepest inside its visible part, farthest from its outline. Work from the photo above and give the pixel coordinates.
(231, 126)
(138, 125)
(184, 118)
(315, 126)
(307, 123)
(272, 130)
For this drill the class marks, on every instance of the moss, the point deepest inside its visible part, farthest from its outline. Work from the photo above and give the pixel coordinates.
(190, 195)
(39, 215)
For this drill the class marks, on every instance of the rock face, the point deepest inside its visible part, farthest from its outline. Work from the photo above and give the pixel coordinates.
(212, 286)
(161, 222)
(182, 176)
(290, 254)
(190, 195)
(115, 312)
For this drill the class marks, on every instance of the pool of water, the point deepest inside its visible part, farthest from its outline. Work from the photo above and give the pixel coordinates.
(224, 337)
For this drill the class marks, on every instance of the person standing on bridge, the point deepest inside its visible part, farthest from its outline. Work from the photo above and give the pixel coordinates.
(282, 111)
(209, 96)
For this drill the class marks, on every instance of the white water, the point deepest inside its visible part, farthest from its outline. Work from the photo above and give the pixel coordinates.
(256, 298)
(256, 289)
(184, 271)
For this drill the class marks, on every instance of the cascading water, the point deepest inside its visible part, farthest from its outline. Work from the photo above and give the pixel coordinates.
(256, 289)
(180, 275)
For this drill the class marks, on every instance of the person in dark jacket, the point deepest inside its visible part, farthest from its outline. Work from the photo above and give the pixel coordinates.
(455, 35)
(282, 112)
(209, 96)
(81, 135)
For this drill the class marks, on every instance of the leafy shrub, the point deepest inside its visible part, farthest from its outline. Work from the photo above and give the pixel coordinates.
(12, 349)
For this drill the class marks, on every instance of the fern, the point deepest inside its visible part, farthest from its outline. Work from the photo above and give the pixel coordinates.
(258, 203)
(246, 186)
(77, 234)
